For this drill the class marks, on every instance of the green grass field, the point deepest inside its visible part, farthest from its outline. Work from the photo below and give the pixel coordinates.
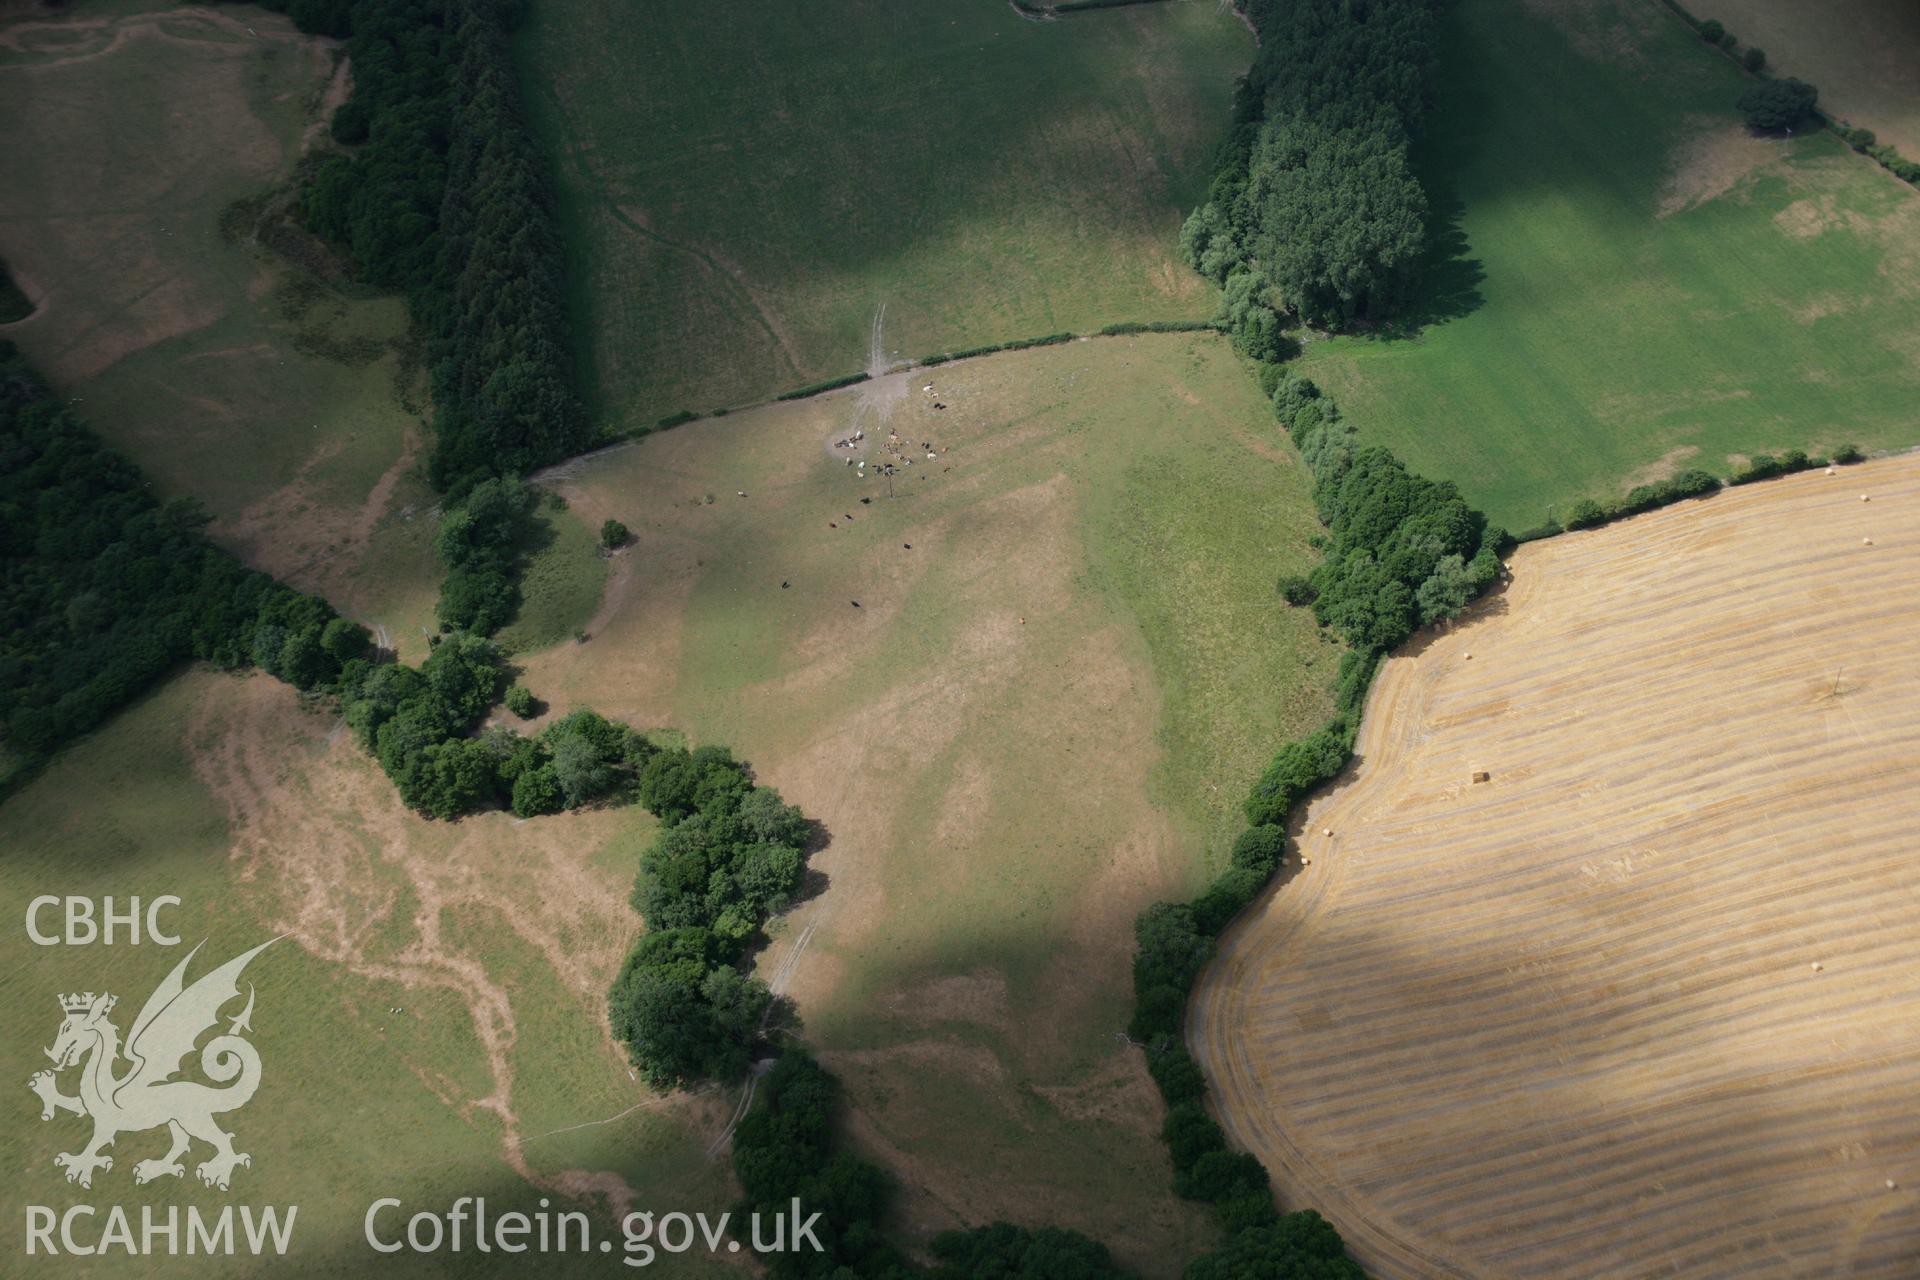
(560, 583)
(1655, 289)
(290, 410)
(1067, 666)
(744, 185)
(218, 790)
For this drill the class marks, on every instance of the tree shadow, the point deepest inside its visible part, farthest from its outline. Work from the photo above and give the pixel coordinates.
(537, 533)
(1447, 284)
(1492, 603)
(813, 883)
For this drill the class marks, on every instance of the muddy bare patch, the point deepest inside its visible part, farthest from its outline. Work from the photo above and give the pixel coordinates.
(321, 839)
(1716, 159)
(1660, 469)
(1602, 30)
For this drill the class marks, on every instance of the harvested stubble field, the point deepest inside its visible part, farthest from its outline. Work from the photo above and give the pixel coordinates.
(1643, 1002)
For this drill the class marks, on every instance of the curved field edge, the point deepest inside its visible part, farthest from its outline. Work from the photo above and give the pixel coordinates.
(1501, 1027)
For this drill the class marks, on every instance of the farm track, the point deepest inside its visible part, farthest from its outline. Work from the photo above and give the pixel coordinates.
(1567, 1022)
(733, 279)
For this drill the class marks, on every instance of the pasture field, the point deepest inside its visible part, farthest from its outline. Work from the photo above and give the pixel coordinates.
(1640, 1003)
(288, 409)
(495, 942)
(1860, 53)
(1632, 283)
(560, 582)
(743, 185)
(1066, 665)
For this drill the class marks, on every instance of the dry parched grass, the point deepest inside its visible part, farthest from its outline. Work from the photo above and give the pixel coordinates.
(137, 140)
(1067, 651)
(1642, 1003)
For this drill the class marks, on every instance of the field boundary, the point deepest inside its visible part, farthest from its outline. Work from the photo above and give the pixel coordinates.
(1122, 329)
(1218, 1012)
(1859, 141)
(1048, 12)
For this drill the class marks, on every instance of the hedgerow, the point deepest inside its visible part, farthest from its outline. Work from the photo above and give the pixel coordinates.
(1765, 466)
(1783, 104)
(1075, 6)
(1015, 344)
(1401, 552)
(816, 388)
(1159, 326)
(1589, 513)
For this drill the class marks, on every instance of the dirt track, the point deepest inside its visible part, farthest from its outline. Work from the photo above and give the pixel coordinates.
(1645, 1002)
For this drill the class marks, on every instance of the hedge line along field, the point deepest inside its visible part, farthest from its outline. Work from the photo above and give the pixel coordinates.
(433, 1026)
(289, 409)
(1017, 731)
(744, 185)
(1861, 54)
(1634, 285)
(1640, 1002)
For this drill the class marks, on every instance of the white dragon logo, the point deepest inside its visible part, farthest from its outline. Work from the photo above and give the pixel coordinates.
(147, 1096)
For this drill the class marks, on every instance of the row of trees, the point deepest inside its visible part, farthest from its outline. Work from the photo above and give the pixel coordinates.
(1400, 551)
(788, 1147)
(106, 588)
(1313, 206)
(481, 541)
(419, 724)
(728, 856)
(441, 193)
(14, 304)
